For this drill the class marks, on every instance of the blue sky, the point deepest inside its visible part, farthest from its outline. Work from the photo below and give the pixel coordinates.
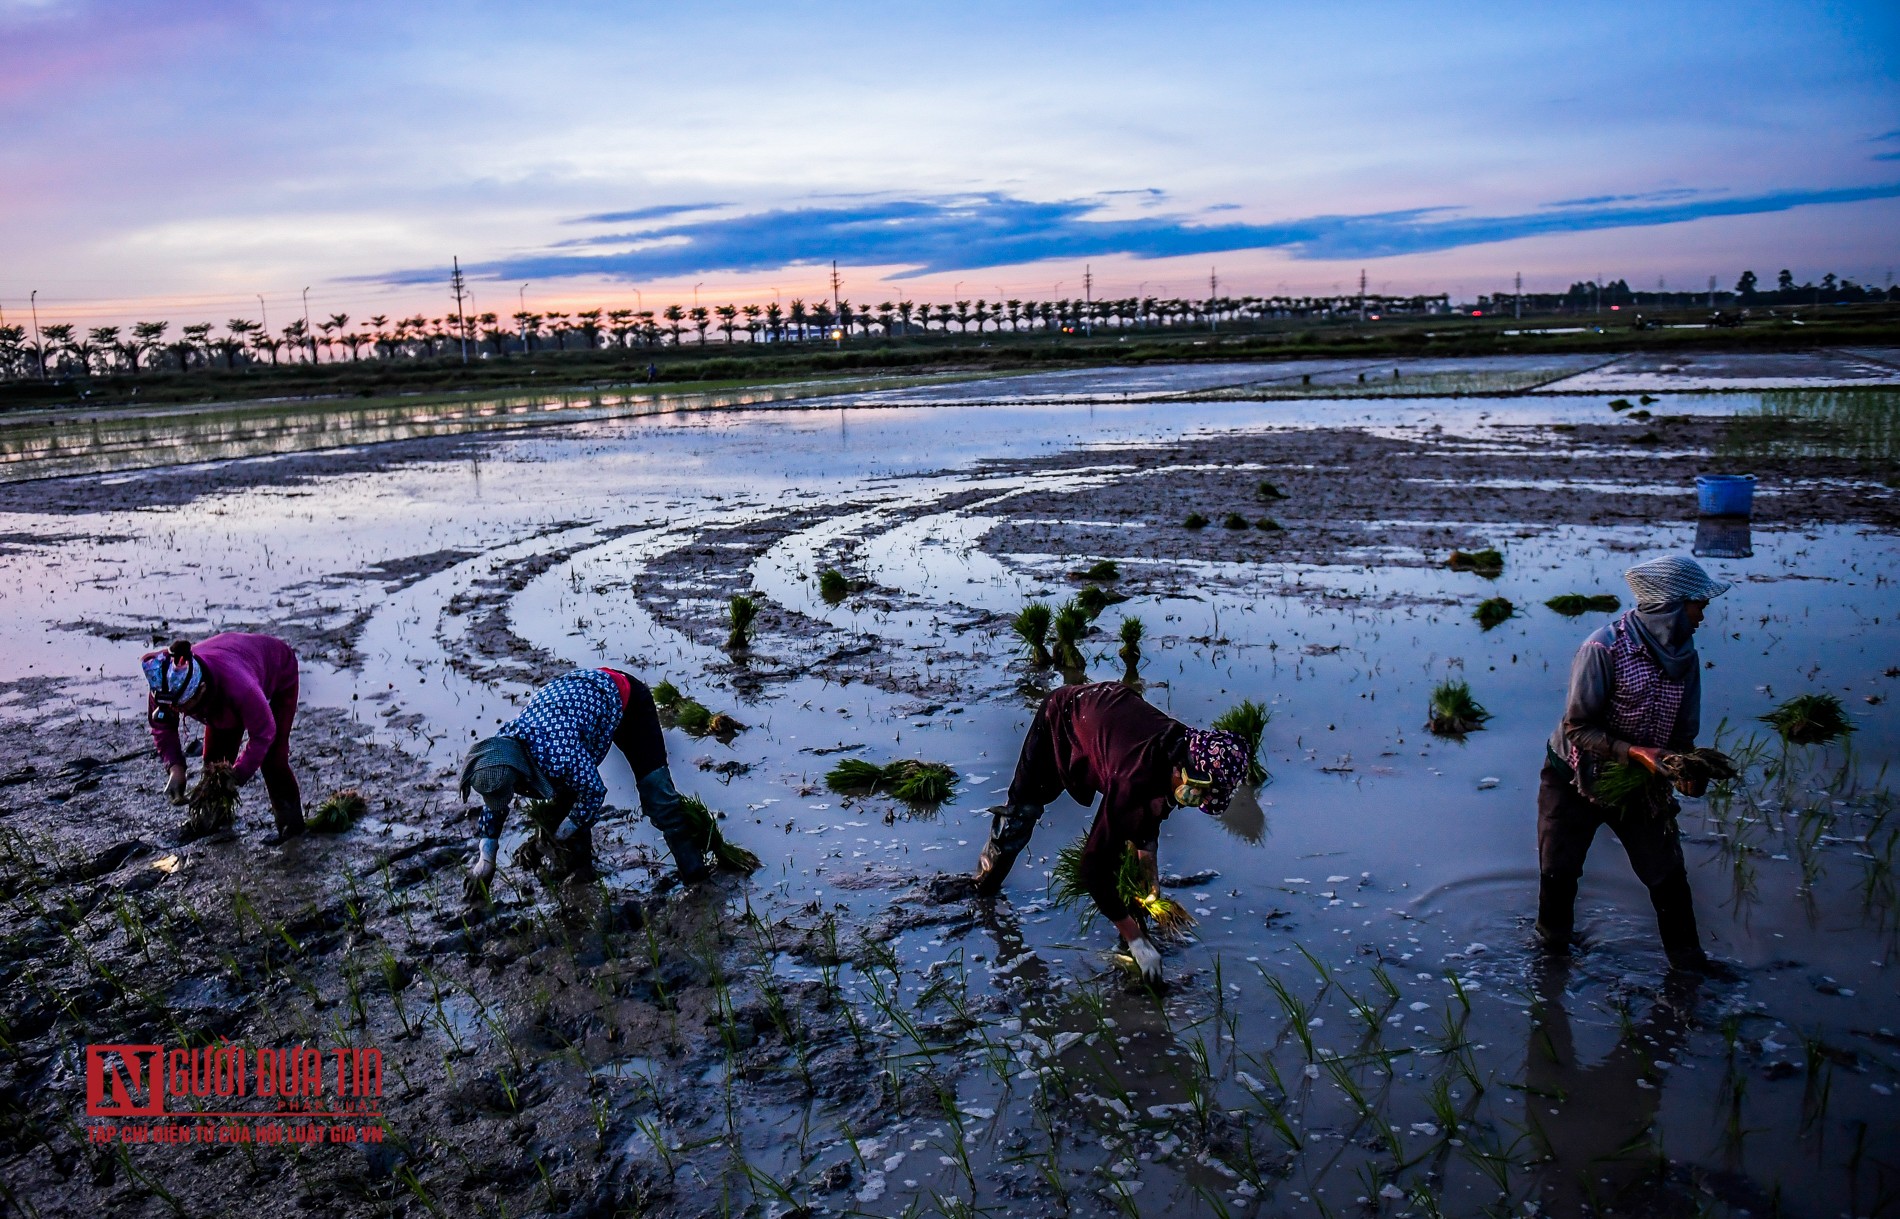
(185, 159)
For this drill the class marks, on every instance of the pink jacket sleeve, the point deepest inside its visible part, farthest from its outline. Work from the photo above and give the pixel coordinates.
(164, 733)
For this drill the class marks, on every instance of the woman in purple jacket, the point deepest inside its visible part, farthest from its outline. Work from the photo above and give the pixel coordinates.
(242, 688)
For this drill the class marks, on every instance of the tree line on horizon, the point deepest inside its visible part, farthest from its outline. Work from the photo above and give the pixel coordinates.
(67, 350)
(1588, 297)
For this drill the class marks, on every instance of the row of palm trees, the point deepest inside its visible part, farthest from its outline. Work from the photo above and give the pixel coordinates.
(64, 350)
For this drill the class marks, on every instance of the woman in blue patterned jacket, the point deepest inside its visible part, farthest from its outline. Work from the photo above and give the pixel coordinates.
(553, 751)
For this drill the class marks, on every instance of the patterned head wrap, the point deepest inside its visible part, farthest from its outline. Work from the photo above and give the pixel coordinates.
(502, 765)
(1670, 579)
(173, 678)
(1221, 758)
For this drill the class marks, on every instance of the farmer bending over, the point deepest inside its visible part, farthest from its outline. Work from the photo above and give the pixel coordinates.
(1104, 738)
(239, 687)
(553, 751)
(1635, 698)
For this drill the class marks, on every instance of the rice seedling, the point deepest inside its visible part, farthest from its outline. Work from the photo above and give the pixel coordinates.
(832, 586)
(694, 718)
(1094, 599)
(1629, 787)
(339, 812)
(1267, 492)
(1454, 712)
(1194, 521)
(1233, 520)
(1248, 721)
(913, 782)
(741, 612)
(1494, 611)
(1067, 890)
(1103, 569)
(725, 854)
(1267, 524)
(666, 695)
(1620, 404)
(1488, 562)
(1570, 605)
(1132, 630)
(1070, 624)
(1810, 719)
(213, 803)
(1031, 625)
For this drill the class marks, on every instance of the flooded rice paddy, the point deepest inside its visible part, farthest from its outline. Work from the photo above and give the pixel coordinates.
(1359, 1026)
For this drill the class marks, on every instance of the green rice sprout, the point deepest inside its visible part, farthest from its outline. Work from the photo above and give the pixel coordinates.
(694, 718)
(706, 825)
(1233, 520)
(1071, 623)
(1104, 569)
(1810, 719)
(339, 812)
(1494, 612)
(1570, 605)
(741, 610)
(1266, 492)
(1031, 625)
(1094, 599)
(1487, 562)
(213, 803)
(1132, 631)
(1248, 721)
(1620, 404)
(1194, 521)
(1267, 524)
(833, 586)
(1454, 711)
(911, 781)
(1628, 787)
(666, 695)
(1066, 891)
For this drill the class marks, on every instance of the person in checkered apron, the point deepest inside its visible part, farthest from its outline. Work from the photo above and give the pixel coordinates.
(1635, 697)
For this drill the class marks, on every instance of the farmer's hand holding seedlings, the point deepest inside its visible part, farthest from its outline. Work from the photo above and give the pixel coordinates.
(1106, 739)
(551, 753)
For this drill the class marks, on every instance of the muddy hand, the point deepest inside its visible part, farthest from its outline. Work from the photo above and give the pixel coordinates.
(175, 786)
(1648, 757)
(1147, 959)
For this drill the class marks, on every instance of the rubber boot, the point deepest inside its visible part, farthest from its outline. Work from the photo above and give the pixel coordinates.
(661, 803)
(1010, 830)
(574, 855)
(289, 821)
(1556, 912)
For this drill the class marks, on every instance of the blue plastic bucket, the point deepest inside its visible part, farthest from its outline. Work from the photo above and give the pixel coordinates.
(1725, 494)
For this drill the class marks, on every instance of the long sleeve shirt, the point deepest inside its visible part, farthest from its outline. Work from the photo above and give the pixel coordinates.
(1587, 725)
(244, 675)
(1106, 739)
(569, 726)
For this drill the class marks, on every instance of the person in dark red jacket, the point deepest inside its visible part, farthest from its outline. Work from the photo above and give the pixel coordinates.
(1104, 738)
(243, 689)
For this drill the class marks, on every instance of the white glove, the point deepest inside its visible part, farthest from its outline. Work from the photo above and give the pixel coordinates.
(484, 866)
(568, 830)
(1148, 958)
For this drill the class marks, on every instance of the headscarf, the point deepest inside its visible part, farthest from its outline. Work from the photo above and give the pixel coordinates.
(502, 765)
(1663, 587)
(1221, 758)
(174, 675)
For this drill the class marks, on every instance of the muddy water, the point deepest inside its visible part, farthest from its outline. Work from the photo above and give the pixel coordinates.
(1360, 1022)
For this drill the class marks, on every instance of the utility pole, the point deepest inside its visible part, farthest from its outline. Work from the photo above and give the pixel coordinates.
(263, 313)
(522, 297)
(837, 302)
(1517, 300)
(460, 287)
(1362, 294)
(1088, 300)
(308, 337)
(39, 351)
(1213, 294)
(1711, 291)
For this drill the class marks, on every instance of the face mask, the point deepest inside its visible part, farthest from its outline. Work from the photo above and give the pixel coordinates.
(1191, 792)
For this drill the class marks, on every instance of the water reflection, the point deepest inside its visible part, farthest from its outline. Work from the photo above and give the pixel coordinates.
(1723, 537)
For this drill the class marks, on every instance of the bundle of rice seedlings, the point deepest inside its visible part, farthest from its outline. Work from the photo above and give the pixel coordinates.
(1233, 520)
(1071, 623)
(1629, 787)
(1266, 491)
(1646, 399)
(339, 812)
(1267, 524)
(693, 716)
(742, 610)
(1132, 630)
(1572, 604)
(1031, 625)
(832, 586)
(1700, 766)
(213, 803)
(725, 854)
(1105, 569)
(1094, 599)
(1169, 918)
(1620, 404)
(912, 781)
(1249, 722)
(1487, 562)
(1810, 719)
(1494, 611)
(1453, 711)
(666, 695)
(1194, 521)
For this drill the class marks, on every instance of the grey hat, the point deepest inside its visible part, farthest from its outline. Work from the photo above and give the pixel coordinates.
(1672, 578)
(503, 764)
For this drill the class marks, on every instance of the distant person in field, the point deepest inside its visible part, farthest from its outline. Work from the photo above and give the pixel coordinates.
(243, 689)
(1635, 698)
(1106, 739)
(552, 752)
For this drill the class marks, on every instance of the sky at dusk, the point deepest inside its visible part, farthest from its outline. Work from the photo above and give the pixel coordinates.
(177, 161)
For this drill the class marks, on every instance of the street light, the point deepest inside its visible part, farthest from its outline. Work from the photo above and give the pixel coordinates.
(263, 313)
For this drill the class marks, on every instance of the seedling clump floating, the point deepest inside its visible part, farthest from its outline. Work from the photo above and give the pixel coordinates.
(1104, 569)
(1233, 520)
(1132, 630)
(666, 695)
(1267, 524)
(1249, 722)
(693, 717)
(1031, 625)
(1071, 624)
(913, 782)
(741, 611)
(1169, 918)
(1572, 604)
(832, 586)
(1194, 521)
(1094, 599)
(1620, 404)
(339, 812)
(1454, 712)
(1494, 611)
(1266, 491)
(1810, 719)
(1487, 562)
